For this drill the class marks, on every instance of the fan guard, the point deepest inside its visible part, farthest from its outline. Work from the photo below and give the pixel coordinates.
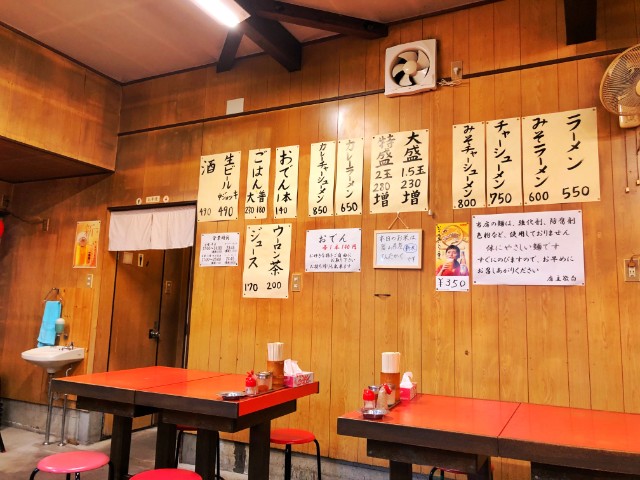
(620, 85)
(411, 68)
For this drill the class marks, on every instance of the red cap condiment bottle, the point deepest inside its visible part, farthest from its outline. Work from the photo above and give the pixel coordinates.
(369, 399)
(250, 384)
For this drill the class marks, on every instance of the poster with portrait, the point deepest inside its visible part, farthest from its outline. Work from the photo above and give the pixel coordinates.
(452, 257)
(85, 251)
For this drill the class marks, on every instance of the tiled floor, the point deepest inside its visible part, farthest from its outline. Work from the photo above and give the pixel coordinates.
(25, 448)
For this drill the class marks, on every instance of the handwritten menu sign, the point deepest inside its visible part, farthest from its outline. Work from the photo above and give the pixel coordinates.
(468, 174)
(255, 204)
(219, 249)
(218, 187)
(560, 157)
(504, 163)
(350, 162)
(285, 200)
(322, 167)
(541, 248)
(400, 172)
(267, 259)
(333, 250)
(397, 249)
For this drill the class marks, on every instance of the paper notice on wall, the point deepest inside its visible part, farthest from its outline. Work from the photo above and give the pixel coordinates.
(219, 187)
(322, 167)
(504, 163)
(468, 175)
(333, 250)
(285, 201)
(267, 259)
(400, 172)
(255, 203)
(452, 257)
(543, 248)
(560, 157)
(349, 170)
(219, 249)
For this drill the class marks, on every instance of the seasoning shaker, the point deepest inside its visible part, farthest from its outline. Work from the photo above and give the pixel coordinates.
(264, 381)
(250, 384)
(369, 399)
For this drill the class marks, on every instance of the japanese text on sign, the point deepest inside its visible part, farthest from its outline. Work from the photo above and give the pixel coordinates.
(397, 249)
(255, 205)
(285, 202)
(543, 248)
(560, 157)
(267, 261)
(333, 250)
(452, 270)
(219, 249)
(400, 172)
(504, 163)
(321, 179)
(349, 177)
(218, 187)
(468, 175)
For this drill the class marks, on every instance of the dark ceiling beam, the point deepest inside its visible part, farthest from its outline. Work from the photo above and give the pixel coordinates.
(274, 39)
(319, 19)
(229, 50)
(580, 20)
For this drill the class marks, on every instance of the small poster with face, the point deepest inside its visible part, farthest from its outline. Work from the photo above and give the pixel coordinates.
(85, 251)
(452, 257)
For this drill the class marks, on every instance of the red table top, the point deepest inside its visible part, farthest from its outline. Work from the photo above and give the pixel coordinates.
(573, 427)
(201, 393)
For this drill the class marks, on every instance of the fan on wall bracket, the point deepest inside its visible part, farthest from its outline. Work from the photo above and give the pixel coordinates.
(620, 87)
(410, 68)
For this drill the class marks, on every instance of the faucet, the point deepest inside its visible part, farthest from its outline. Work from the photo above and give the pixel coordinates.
(68, 347)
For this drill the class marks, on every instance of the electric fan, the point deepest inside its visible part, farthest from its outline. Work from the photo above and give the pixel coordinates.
(620, 87)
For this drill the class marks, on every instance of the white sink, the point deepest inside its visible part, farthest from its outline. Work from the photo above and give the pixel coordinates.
(53, 358)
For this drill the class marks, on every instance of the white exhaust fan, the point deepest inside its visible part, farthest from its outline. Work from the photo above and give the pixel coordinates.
(410, 68)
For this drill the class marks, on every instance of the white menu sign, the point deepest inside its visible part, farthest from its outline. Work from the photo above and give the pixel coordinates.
(219, 249)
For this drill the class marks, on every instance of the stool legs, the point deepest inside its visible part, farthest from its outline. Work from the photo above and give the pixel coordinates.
(318, 458)
(287, 460)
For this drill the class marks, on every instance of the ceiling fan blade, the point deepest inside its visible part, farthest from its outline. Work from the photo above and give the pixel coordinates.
(423, 60)
(409, 56)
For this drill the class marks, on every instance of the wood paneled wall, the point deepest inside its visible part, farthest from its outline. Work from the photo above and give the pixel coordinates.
(556, 345)
(51, 103)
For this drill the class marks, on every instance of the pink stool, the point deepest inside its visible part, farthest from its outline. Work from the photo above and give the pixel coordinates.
(73, 462)
(292, 436)
(167, 474)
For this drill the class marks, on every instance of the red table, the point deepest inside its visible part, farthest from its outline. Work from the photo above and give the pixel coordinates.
(458, 433)
(185, 397)
(573, 442)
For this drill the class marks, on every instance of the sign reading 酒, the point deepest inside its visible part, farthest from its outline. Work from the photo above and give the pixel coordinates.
(218, 187)
(543, 248)
(285, 201)
(349, 177)
(267, 261)
(560, 157)
(255, 205)
(504, 163)
(468, 171)
(321, 179)
(219, 249)
(333, 250)
(400, 172)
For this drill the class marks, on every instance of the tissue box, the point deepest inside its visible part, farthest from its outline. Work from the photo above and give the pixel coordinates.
(409, 393)
(298, 379)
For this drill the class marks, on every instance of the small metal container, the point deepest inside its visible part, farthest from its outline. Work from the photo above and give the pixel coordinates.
(373, 413)
(264, 381)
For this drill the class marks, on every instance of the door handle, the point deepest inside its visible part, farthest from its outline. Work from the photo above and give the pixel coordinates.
(154, 334)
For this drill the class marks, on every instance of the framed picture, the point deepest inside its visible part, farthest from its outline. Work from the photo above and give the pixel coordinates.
(397, 249)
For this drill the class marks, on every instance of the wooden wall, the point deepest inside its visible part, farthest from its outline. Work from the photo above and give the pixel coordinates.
(556, 345)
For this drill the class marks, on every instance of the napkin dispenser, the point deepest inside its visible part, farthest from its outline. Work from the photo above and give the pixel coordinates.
(408, 388)
(294, 376)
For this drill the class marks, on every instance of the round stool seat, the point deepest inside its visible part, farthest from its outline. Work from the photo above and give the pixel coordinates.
(167, 474)
(73, 462)
(291, 436)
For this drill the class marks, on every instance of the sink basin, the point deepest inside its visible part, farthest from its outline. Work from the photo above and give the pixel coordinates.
(53, 358)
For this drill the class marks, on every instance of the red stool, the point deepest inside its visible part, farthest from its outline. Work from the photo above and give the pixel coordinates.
(167, 474)
(73, 462)
(185, 428)
(292, 436)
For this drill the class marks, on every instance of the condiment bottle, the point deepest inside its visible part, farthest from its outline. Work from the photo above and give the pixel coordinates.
(383, 395)
(250, 384)
(369, 399)
(264, 380)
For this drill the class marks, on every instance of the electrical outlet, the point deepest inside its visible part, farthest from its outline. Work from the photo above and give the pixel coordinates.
(89, 280)
(631, 270)
(296, 282)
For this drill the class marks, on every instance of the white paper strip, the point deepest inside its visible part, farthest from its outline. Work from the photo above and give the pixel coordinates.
(333, 250)
(255, 205)
(504, 163)
(219, 249)
(349, 177)
(218, 188)
(321, 179)
(468, 179)
(267, 259)
(285, 190)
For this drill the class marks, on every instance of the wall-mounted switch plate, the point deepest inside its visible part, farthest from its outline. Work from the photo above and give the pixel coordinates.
(89, 280)
(296, 282)
(631, 272)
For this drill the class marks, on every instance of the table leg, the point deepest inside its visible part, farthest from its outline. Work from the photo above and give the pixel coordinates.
(206, 448)
(165, 445)
(399, 470)
(259, 450)
(121, 446)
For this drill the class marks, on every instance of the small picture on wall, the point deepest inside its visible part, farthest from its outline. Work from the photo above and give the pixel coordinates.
(85, 251)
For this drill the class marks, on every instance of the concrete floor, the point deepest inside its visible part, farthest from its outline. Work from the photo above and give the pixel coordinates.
(25, 449)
